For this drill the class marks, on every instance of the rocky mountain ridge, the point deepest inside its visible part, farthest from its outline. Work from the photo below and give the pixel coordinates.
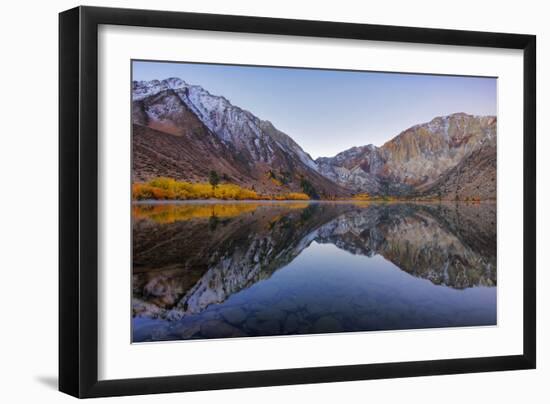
(204, 132)
(416, 159)
(182, 131)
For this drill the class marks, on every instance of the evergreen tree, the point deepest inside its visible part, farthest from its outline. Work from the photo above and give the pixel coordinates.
(308, 188)
(214, 179)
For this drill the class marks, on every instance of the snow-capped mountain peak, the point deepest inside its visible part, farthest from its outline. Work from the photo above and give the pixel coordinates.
(144, 89)
(230, 123)
(169, 105)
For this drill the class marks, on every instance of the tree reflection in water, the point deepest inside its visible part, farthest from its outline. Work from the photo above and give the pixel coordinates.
(215, 270)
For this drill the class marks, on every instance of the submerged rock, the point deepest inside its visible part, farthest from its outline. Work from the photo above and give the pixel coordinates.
(327, 324)
(233, 315)
(219, 329)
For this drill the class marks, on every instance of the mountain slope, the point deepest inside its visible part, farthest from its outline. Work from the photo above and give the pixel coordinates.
(422, 153)
(473, 178)
(182, 131)
(356, 168)
(202, 132)
(418, 157)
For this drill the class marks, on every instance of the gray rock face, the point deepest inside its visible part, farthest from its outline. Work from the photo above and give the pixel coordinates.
(357, 168)
(417, 158)
(474, 177)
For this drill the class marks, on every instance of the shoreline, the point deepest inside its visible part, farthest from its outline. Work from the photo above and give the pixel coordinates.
(318, 201)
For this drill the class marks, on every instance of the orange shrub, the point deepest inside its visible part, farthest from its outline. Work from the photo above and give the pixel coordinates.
(163, 188)
(167, 188)
(141, 191)
(297, 196)
(361, 197)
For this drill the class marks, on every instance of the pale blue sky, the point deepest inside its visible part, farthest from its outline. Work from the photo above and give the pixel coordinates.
(328, 111)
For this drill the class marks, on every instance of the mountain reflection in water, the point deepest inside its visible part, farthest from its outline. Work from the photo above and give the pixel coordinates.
(217, 270)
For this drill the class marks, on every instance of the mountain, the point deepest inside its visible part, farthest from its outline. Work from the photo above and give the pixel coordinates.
(473, 177)
(182, 131)
(357, 168)
(438, 158)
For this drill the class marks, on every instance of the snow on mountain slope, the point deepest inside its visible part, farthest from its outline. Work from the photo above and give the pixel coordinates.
(257, 145)
(230, 123)
(253, 149)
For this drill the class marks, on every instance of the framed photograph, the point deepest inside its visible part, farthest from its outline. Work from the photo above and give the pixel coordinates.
(251, 201)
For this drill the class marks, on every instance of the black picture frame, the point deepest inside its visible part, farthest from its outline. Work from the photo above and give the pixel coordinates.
(78, 201)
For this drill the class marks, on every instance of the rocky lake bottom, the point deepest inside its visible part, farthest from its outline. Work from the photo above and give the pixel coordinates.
(244, 269)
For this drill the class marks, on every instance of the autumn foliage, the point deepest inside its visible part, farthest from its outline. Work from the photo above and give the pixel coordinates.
(362, 197)
(163, 188)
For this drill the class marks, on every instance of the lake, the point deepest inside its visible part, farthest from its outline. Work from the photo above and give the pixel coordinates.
(241, 269)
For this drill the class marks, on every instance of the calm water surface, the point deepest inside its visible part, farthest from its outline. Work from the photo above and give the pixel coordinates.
(217, 270)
